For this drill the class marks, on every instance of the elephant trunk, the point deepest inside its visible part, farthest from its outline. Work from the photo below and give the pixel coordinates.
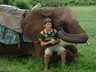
(73, 38)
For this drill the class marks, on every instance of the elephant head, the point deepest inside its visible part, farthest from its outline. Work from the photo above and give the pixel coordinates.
(63, 19)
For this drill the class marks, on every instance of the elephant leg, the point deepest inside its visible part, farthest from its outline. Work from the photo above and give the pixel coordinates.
(14, 50)
(71, 52)
(2, 50)
(27, 48)
(70, 57)
(72, 48)
(9, 49)
(39, 51)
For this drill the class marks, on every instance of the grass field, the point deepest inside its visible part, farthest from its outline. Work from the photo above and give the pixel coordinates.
(87, 54)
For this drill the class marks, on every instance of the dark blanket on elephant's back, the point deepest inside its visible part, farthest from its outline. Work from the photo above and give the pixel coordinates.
(8, 36)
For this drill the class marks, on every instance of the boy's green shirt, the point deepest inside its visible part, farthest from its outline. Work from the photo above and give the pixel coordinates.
(45, 36)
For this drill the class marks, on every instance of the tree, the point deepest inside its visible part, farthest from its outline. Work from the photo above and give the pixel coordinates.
(5, 2)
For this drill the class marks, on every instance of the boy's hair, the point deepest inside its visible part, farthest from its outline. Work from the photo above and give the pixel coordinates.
(47, 20)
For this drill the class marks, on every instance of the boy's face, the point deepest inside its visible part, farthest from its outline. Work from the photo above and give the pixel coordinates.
(48, 25)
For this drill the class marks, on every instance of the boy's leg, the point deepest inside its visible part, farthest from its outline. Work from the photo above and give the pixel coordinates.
(48, 53)
(61, 51)
(46, 60)
(63, 58)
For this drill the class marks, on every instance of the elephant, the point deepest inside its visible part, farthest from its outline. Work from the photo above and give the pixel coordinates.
(63, 19)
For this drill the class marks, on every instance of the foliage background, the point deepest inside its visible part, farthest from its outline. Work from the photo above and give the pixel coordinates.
(27, 4)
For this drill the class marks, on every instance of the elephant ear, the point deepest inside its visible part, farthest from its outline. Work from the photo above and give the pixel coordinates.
(32, 24)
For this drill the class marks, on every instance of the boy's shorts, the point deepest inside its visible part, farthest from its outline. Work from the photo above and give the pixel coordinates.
(56, 48)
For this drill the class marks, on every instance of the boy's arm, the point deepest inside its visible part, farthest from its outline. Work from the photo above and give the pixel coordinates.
(43, 43)
(57, 40)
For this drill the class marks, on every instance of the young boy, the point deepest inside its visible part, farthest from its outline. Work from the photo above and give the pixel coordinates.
(50, 41)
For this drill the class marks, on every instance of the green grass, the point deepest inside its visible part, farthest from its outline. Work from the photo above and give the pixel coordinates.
(86, 61)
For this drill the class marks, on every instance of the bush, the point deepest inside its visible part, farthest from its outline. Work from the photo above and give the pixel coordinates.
(1, 1)
(93, 2)
(23, 4)
(27, 4)
(54, 3)
(11, 2)
(32, 2)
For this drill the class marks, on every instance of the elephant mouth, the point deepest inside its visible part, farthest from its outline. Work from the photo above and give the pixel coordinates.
(72, 38)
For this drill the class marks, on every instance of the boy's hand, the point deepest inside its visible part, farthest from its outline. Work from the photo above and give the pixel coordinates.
(52, 41)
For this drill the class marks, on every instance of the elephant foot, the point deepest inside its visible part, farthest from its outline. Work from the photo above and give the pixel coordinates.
(70, 57)
(72, 52)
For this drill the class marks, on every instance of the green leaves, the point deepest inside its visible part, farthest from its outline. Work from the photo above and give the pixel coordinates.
(23, 4)
(27, 4)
